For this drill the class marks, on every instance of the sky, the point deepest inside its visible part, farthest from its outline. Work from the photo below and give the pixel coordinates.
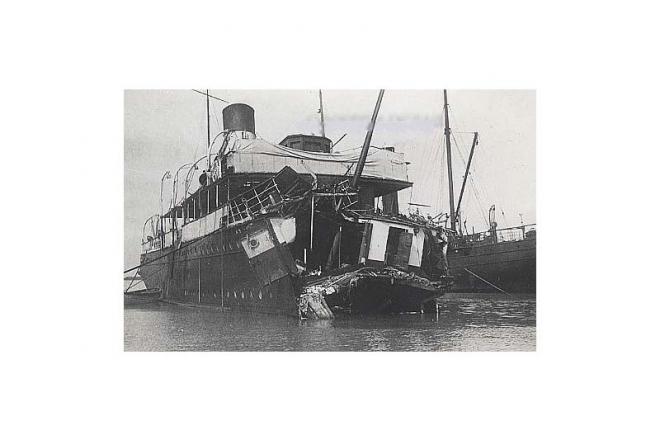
(163, 129)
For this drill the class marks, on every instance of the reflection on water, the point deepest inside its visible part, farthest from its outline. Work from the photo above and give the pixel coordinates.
(481, 324)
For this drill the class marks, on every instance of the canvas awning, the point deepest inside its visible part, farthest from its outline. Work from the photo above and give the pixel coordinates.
(259, 156)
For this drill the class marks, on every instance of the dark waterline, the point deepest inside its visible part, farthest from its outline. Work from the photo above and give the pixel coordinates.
(482, 324)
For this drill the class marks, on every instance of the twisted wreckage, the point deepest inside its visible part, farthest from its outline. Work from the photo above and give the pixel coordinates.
(292, 229)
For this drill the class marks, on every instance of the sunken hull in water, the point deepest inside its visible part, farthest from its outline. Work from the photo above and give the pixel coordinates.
(270, 224)
(402, 269)
(380, 292)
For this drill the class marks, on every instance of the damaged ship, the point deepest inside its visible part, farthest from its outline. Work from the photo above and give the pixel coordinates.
(292, 228)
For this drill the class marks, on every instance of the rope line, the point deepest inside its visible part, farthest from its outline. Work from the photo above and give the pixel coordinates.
(170, 253)
(146, 278)
(485, 281)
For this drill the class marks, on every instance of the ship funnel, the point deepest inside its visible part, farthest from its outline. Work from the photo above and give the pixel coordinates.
(238, 117)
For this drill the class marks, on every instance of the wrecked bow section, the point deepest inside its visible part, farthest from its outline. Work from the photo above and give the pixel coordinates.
(367, 290)
(312, 305)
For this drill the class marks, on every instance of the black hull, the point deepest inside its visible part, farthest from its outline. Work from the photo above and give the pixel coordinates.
(198, 274)
(379, 294)
(144, 297)
(509, 265)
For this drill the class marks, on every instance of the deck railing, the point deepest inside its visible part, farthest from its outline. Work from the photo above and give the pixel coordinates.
(245, 206)
(514, 233)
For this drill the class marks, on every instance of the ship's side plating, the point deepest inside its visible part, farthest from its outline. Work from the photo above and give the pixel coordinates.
(490, 265)
(243, 267)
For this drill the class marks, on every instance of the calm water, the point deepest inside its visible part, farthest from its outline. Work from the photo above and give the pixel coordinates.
(483, 324)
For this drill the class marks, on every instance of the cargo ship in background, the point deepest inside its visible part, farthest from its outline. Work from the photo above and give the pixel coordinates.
(292, 229)
(496, 260)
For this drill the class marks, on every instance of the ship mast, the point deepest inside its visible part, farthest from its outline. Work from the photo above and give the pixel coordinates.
(208, 132)
(367, 142)
(321, 111)
(475, 140)
(452, 212)
(208, 121)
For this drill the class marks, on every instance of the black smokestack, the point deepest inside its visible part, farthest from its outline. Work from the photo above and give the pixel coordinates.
(238, 117)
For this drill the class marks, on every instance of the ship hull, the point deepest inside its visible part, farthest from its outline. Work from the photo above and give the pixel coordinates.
(509, 265)
(215, 270)
(382, 295)
(366, 290)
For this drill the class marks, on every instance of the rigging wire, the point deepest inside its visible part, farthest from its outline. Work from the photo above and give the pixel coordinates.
(477, 190)
(210, 96)
(430, 170)
(443, 172)
(215, 115)
(472, 183)
(424, 171)
(427, 172)
(484, 192)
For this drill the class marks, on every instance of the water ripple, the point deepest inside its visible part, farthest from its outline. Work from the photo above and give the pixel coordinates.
(488, 324)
